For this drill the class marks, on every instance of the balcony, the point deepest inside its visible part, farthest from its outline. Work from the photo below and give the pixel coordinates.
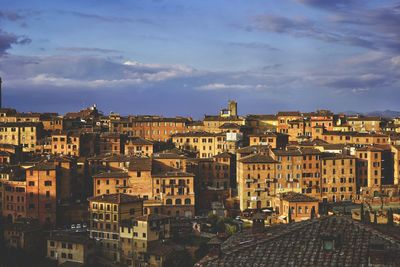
(249, 180)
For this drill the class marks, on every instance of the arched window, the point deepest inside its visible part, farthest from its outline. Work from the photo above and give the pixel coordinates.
(178, 201)
(188, 201)
(169, 201)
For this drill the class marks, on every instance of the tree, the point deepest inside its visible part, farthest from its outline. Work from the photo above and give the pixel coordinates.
(367, 217)
(390, 217)
(289, 217)
(375, 218)
(230, 229)
(362, 213)
(313, 215)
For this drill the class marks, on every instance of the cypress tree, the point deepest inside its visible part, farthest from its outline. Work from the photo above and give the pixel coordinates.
(362, 212)
(390, 217)
(313, 215)
(289, 218)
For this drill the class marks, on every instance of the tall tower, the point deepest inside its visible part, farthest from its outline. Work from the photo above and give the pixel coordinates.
(232, 106)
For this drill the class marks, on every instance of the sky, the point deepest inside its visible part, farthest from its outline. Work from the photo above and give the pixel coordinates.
(189, 58)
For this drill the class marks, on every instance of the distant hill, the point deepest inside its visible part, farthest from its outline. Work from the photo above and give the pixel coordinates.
(385, 114)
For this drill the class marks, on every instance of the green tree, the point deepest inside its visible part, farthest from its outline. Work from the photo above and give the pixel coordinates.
(230, 229)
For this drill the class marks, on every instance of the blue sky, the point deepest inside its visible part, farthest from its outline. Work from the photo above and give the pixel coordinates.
(189, 57)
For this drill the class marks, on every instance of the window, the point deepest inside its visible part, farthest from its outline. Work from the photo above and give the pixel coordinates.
(138, 174)
(47, 183)
(51, 243)
(31, 183)
(63, 255)
(69, 246)
(70, 256)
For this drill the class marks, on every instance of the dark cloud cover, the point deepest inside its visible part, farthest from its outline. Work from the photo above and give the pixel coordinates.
(7, 40)
(331, 4)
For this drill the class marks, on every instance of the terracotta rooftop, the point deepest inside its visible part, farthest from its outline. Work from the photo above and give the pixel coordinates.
(43, 166)
(140, 164)
(198, 134)
(252, 149)
(297, 197)
(258, 158)
(289, 113)
(112, 175)
(116, 198)
(272, 134)
(219, 118)
(230, 125)
(77, 238)
(301, 244)
(138, 141)
(163, 249)
(364, 119)
(336, 156)
(296, 151)
(261, 117)
(223, 155)
(355, 134)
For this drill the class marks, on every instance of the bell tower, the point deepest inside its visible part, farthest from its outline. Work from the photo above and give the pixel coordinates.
(232, 106)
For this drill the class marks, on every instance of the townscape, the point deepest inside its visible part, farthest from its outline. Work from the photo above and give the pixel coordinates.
(287, 189)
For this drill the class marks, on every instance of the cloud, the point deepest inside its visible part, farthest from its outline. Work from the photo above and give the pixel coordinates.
(367, 80)
(359, 90)
(7, 40)
(105, 18)
(330, 4)
(380, 24)
(11, 15)
(395, 60)
(306, 28)
(87, 72)
(222, 86)
(121, 84)
(47, 79)
(87, 49)
(348, 23)
(254, 45)
(280, 24)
